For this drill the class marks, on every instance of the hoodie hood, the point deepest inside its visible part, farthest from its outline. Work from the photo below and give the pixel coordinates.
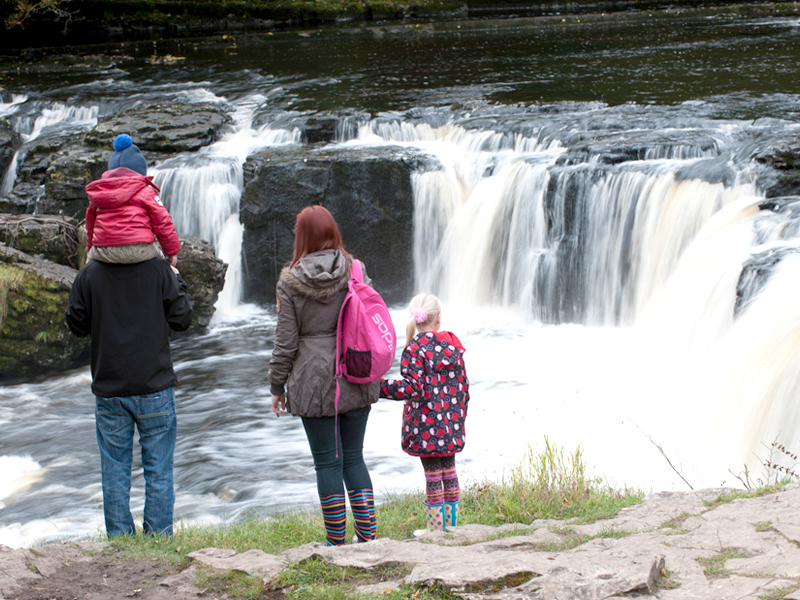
(319, 275)
(441, 347)
(117, 187)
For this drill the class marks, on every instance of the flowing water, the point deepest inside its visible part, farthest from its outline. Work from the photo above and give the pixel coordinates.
(596, 199)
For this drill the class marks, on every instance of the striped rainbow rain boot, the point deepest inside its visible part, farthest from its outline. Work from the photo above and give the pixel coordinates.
(362, 504)
(334, 515)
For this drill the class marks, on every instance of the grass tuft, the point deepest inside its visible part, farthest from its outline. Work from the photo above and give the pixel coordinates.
(714, 566)
(550, 484)
(232, 583)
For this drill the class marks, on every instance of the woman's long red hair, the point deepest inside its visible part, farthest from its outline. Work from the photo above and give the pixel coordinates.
(315, 230)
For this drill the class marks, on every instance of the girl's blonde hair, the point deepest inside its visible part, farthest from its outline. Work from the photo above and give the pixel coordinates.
(422, 305)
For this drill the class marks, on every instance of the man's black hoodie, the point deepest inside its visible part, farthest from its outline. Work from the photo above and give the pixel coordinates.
(128, 310)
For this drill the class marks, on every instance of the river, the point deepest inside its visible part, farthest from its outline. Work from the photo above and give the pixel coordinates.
(597, 198)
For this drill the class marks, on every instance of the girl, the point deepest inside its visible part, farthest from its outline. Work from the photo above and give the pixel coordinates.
(436, 393)
(310, 293)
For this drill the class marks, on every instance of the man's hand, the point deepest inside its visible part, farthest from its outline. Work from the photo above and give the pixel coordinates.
(279, 404)
(173, 260)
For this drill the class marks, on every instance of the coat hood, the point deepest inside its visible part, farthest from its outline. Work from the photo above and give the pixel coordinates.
(319, 275)
(441, 347)
(117, 187)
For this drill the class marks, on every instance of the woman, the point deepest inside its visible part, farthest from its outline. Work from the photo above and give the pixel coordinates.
(310, 292)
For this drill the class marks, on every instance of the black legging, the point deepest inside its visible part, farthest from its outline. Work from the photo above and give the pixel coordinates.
(349, 466)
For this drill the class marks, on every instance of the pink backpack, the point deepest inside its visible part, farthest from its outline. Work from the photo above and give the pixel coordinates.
(365, 336)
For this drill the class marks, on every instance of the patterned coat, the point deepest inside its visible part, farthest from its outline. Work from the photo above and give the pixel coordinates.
(436, 393)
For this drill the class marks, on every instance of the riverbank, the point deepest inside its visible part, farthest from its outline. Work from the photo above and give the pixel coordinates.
(48, 24)
(711, 544)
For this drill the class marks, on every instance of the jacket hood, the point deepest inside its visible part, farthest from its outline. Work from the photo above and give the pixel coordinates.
(117, 187)
(319, 275)
(442, 347)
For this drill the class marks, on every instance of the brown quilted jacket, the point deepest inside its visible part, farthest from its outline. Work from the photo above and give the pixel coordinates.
(309, 299)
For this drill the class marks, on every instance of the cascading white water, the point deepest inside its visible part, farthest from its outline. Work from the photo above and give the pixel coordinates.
(202, 191)
(639, 244)
(31, 128)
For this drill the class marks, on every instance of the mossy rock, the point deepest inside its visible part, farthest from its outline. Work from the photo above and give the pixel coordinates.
(34, 338)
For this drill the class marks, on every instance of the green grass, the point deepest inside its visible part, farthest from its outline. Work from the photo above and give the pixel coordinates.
(234, 584)
(762, 526)
(316, 579)
(550, 484)
(714, 566)
(665, 580)
(732, 495)
(272, 535)
(780, 592)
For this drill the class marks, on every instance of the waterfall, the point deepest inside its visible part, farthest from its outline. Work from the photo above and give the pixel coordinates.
(202, 191)
(655, 242)
(30, 128)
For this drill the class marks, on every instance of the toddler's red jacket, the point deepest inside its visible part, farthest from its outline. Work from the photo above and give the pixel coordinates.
(124, 208)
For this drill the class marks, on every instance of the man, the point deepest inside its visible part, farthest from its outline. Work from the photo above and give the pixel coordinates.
(128, 309)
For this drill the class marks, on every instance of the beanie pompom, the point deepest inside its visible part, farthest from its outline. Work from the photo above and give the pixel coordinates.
(122, 142)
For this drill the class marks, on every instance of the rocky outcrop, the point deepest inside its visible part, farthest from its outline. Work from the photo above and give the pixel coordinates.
(34, 339)
(782, 178)
(9, 141)
(164, 129)
(52, 237)
(674, 545)
(52, 173)
(54, 168)
(204, 275)
(778, 219)
(368, 191)
(33, 336)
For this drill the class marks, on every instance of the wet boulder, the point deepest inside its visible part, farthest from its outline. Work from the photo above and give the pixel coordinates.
(33, 336)
(782, 178)
(9, 141)
(163, 129)
(52, 237)
(204, 275)
(777, 220)
(52, 173)
(367, 190)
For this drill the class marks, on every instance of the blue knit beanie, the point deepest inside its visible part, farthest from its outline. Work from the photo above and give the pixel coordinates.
(127, 155)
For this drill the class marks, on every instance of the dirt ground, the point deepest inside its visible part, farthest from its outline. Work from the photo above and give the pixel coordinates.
(106, 578)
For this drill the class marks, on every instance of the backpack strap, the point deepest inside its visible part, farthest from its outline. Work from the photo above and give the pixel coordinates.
(356, 274)
(357, 271)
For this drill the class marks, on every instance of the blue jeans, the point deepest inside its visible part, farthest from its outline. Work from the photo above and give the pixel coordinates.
(154, 417)
(349, 466)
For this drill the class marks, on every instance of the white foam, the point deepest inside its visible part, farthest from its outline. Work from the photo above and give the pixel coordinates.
(18, 474)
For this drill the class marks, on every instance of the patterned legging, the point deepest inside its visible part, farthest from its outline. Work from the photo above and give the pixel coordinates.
(441, 479)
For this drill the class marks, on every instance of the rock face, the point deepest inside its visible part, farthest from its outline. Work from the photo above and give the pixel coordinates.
(34, 339)
(675, 545)
(52, 237)
(33, 336)
(51, 176)
(757, 270)
(53, 169)
(783, 179)
(369, 192)
(162, 128)
(204, 275)
(8, 142)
